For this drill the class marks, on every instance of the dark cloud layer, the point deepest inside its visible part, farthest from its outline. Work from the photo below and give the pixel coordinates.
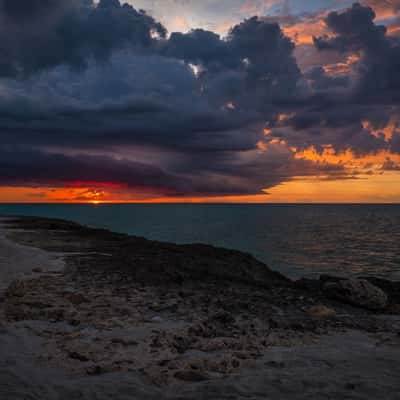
(100, 92)
(37, 35)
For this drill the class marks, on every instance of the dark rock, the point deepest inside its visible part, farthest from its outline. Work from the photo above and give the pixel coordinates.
(391, 288)
(357, 292)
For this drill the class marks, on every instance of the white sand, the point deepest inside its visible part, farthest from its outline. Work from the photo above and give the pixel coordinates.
(17, 261)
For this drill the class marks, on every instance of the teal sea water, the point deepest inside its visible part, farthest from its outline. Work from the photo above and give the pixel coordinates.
(298, 240)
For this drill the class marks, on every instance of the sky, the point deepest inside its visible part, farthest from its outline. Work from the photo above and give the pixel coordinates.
(200, 101)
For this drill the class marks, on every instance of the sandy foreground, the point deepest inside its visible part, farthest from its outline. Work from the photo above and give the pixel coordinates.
(89, 314)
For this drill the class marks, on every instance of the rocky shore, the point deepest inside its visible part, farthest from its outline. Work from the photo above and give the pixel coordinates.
(131, 318)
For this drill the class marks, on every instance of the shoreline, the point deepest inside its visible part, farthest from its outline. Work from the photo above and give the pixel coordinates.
(128, 315)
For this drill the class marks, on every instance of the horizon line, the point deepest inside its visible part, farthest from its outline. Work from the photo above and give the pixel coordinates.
(105, 203)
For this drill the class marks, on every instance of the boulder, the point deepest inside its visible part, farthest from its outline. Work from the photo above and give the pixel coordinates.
(357, 292)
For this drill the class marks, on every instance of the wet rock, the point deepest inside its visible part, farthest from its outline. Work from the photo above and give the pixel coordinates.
(357, 292)
(321, 312)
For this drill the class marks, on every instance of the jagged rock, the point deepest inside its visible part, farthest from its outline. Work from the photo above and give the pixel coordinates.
(321, 312)
(357, 292)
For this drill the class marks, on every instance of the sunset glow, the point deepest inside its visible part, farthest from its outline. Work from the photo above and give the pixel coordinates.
(240, 101)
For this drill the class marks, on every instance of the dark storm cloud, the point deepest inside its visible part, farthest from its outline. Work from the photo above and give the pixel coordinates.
(205, 176)
(37, 35)
(254, 66)
(153, 97)
(27, 167)
(395, 143)
(99, 92)
(355, 31)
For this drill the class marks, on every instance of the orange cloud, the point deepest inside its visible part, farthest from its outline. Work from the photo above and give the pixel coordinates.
(303, 32)
(342, 68)
(384, 9)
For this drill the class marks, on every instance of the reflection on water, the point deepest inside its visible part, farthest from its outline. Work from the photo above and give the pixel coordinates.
(296, 239)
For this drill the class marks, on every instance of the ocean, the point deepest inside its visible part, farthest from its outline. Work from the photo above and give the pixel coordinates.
(297, 240)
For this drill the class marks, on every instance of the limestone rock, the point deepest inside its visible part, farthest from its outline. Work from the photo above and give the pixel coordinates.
(357, 292)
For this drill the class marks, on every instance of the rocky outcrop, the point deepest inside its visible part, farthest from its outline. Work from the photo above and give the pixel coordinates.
(124, 257)
(357, 292)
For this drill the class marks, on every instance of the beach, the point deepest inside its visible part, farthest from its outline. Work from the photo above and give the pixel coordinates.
(87, 313)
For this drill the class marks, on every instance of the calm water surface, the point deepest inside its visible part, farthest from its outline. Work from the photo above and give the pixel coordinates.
(299, 240)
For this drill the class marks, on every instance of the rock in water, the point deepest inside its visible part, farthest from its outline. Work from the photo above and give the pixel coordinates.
(357, 292)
